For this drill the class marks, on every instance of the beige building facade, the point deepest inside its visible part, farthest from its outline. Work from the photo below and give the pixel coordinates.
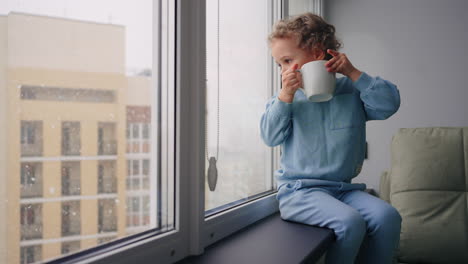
(75, 138)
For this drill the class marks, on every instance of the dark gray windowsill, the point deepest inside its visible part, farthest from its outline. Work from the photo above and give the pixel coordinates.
(270, 240)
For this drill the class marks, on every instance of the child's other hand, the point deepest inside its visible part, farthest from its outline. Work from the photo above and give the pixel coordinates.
(291, 80)
(341, 64)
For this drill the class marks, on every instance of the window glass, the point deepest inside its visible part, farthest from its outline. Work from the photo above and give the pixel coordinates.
(237, 89)
(146, 131)
(82, 94)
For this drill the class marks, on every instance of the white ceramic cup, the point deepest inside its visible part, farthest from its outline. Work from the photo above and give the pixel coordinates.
(318, 84)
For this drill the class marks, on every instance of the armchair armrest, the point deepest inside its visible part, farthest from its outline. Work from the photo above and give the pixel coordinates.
(384, 192)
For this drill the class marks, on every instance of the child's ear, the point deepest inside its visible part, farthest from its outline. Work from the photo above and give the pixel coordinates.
(319, 54)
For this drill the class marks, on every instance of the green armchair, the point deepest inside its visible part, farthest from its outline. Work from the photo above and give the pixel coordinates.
(428, 185)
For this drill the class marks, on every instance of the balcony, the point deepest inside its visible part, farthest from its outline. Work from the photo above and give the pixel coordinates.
(107, 226)
(31, 150)
(71, 187)
(71, 227)
(31, 190)
(71, 144)
(107, 147)
(32, 231)
(107, 185)
(71, 149)
(71, 218)
(107, 216)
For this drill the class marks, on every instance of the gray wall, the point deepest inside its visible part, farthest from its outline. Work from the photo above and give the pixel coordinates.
(422, 47)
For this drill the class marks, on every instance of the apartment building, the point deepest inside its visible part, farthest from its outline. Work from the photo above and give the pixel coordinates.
(77, 140)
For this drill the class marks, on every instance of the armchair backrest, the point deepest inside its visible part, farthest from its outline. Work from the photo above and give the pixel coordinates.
(428, 185)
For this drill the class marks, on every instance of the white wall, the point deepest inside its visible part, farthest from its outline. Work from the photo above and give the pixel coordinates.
(422, 47)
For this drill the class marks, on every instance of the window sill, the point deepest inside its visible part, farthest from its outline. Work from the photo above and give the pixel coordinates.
(270, 240)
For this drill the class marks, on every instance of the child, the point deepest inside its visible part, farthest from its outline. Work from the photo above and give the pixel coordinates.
(323, 144)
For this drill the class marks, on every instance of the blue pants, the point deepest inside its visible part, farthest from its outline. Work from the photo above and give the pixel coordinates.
(367, 228)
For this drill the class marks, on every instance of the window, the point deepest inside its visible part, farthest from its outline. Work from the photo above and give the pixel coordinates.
(71, 182)
(31, 138)
(158, 79)
(28, 174)
(234, 42)
(70, 247)
(146, 131)
(137, 212)
(28, 132)
(31, 179)
(107, 142)
(105, 239)
(135, 131)
(66, 94)
(107, 220)
(107, 181)
(138, 142)
(70, 78)
(31, 221)
(71, 143)
(71, 218)
(30, 254)
(138, 179)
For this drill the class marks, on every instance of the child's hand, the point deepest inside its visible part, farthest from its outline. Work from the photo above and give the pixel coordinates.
(341, 64)
(291, 81)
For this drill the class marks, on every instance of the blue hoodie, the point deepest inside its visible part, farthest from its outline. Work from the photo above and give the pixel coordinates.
(323, 144)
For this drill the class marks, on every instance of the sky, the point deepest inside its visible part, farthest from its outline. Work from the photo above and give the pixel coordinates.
(135, 15)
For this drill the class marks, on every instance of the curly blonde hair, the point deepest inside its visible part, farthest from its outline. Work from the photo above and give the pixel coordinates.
(310, 30)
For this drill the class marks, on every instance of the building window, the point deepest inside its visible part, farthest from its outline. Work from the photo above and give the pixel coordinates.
(105, 239)
(135, 131)
(44, 93)
(30, 254)
(137, 211)
(31, 138)
(70, 247)
(138, 174)
(107, 216)
(71, 143)
(138, 129)
(133, 211)
(28, 174)
(107, 180)
(136, 167)
(71, 183)
(127, 132)
(28, 132)
(146, 131)
(31, 179)
(31, 221)
(146, 173)
(107, 142)
(71, 218)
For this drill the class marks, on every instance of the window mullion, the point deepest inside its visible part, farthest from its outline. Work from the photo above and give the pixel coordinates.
(191, 117)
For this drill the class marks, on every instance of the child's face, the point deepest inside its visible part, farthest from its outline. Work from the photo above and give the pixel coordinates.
(286, 53)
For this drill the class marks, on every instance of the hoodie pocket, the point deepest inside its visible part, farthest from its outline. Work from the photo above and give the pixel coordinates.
(344, 112)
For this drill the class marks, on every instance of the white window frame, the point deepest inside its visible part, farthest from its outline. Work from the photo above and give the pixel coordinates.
(182, 88)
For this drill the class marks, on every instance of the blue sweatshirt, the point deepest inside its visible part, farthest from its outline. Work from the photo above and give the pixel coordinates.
(323, 144)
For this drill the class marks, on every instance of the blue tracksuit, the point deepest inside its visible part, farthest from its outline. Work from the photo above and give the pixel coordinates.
(323, 148)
